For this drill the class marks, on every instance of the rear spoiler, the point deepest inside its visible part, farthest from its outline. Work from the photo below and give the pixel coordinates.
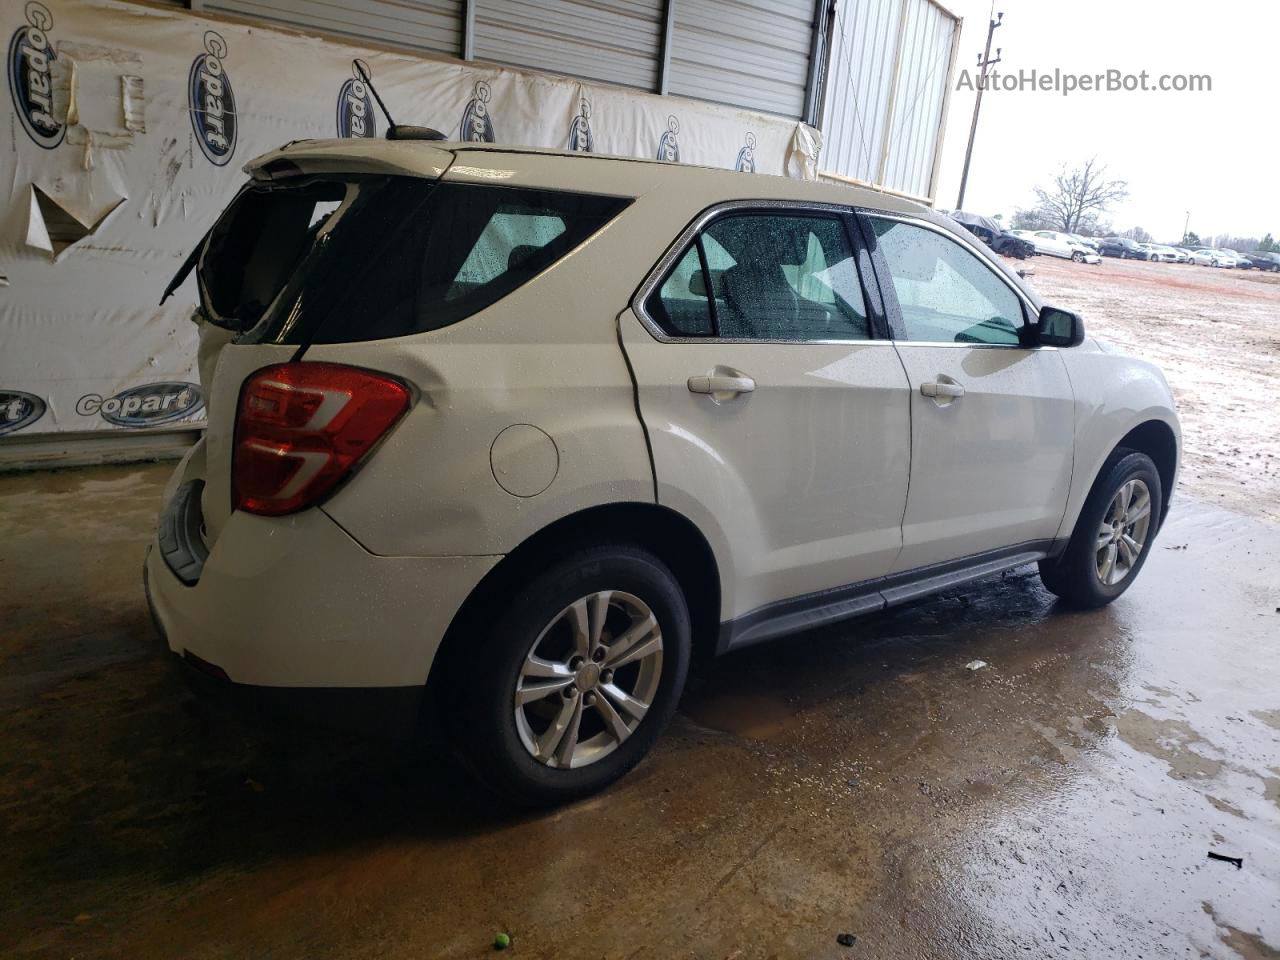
(415, 158)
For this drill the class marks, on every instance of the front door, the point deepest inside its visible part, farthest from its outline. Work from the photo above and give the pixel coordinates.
(992, 421)
(775, 405)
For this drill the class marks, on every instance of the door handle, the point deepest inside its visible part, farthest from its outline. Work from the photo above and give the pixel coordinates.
(938, 389)
(715, 383)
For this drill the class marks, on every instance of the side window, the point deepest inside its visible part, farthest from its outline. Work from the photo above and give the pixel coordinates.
(946, 293)
(681, 306)
(506, 240)
(765, 277)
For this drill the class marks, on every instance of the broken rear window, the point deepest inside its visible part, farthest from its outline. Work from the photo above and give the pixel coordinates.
(328, 260)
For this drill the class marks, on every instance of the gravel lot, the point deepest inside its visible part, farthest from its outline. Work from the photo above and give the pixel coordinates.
(1216, 335)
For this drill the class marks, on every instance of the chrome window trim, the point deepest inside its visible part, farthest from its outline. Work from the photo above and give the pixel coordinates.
(681, 244)
(971, 346)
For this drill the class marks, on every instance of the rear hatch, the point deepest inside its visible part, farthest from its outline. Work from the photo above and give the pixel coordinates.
(324, 248)
(308, 205)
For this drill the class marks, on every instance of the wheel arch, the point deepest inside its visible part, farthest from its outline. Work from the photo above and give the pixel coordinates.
(1156, 439)
(669, 535)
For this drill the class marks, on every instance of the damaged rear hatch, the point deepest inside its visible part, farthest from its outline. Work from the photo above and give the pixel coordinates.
(312, 236)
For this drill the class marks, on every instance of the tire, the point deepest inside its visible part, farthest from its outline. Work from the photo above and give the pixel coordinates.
(481, 720)
(1077, 256)
(1077, 575)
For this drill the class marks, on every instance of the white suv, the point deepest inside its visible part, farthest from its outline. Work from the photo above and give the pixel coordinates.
(506, 435)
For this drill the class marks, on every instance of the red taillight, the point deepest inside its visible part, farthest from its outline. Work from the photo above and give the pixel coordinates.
(302, 427)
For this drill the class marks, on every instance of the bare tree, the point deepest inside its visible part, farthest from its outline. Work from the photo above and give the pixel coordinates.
(1078, 196)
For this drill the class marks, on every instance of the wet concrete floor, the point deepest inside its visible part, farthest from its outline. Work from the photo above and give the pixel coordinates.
(1059, 802)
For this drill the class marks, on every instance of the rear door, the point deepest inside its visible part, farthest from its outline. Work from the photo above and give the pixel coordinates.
(775, 405)
(992, 421)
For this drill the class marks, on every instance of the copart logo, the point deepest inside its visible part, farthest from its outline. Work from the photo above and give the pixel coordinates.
(747, 155)
(580, 137)
(144, 406)
(212, 102)
(668, 146)
(355, 106)
(477, 125)
(31, 58)
(18, 410)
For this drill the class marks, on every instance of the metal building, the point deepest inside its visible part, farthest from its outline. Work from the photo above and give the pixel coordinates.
(757, 54)
(873, 75)
(887, 86)
(125, 182)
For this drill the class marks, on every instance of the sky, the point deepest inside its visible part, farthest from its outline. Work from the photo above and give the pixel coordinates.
(1215, 154)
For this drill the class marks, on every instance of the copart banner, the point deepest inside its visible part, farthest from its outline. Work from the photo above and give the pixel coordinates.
(128, 130)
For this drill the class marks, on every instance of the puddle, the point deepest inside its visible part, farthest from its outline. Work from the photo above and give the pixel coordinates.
(745, 715)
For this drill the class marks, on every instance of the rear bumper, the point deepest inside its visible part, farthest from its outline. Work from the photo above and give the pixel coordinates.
(292, 612)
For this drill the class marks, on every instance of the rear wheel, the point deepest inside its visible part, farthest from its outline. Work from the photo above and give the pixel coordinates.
(1113, 534)
(568, 689)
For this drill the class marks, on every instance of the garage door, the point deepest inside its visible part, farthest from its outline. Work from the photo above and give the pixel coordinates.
(749, 53)
(431, 25)
(616, 41)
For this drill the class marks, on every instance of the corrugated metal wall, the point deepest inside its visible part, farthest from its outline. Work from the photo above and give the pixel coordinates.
(883, 101)
(859, 83)
(923, 76)
(749, 53)
(431, 25)
(886, 92)
(617, 41)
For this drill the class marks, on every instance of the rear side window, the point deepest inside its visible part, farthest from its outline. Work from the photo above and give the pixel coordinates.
(370, 258)
(765, 276)
(504, 243)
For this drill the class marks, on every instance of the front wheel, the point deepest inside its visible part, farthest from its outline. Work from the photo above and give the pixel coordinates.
(1113, 534)
(1077, 256)
(568, 689)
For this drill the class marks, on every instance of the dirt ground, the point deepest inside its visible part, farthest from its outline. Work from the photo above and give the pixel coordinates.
(1059, 802)
(1216, 335)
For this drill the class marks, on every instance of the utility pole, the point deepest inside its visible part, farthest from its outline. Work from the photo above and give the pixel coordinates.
(984, 62)
(1186, 225)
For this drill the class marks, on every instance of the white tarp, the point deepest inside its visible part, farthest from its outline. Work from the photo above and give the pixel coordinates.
(129, 126)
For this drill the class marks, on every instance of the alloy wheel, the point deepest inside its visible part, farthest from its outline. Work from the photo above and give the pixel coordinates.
(1123, 534)
(589, 679)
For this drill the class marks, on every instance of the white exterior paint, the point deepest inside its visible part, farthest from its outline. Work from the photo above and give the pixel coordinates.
(798, 487)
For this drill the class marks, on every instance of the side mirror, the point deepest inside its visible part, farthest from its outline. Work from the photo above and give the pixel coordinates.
(1058, 328)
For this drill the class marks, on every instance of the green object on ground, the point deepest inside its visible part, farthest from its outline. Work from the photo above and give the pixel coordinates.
(501, 941)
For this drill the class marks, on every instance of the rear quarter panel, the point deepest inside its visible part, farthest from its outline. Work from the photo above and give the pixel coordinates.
(547, 355)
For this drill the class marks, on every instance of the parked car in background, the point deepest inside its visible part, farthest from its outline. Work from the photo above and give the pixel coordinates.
(1162, 253)
(1122, 247)
(1009, 245)
(1207, 257)
(1083, 253)
(1055, 244)
(1265, 261)
(496, 457)
(1237, 259)
(1089, 242)
(993, 235)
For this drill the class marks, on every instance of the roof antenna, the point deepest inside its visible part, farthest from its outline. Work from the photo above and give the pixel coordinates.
(395, 131)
